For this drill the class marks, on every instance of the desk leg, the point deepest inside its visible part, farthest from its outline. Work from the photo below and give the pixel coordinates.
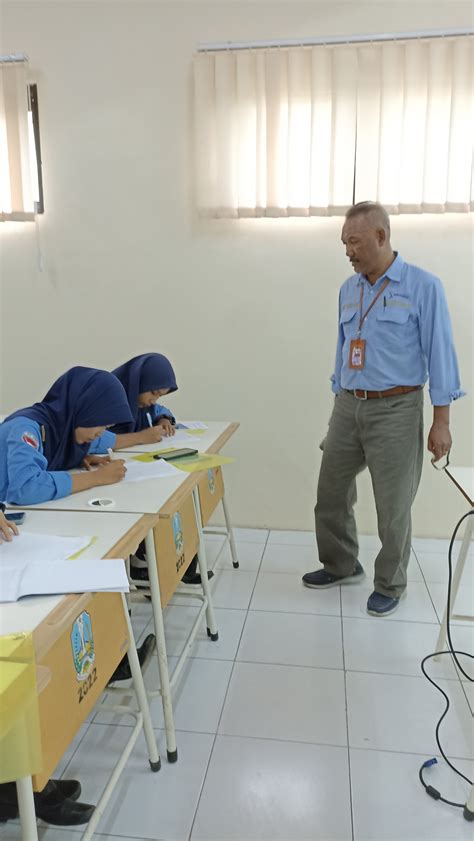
(233, 549)
(210, 615)
(172, 751)
(26, 806)
(456, 581)
(139, 687)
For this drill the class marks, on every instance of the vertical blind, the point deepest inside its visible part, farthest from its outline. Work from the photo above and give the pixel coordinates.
(303, 131)
(17, 163)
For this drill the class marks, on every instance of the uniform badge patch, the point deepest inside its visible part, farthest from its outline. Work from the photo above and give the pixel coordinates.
(31, 439)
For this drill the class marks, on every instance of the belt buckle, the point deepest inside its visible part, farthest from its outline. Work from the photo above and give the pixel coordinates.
(357, 396)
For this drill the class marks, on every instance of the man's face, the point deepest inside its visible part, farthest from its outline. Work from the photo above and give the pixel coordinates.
(363, 243)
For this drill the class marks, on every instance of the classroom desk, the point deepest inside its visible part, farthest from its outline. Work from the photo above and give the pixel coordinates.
(65, 699)
(162, 499)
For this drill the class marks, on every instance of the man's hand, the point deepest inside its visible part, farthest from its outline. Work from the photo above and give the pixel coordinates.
(439, 439)
(7, 528)
(166, 427)
(151, 435)
(95, 461)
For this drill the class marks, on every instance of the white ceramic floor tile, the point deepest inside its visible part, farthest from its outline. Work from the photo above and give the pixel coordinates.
(258, 790)
(395, 648)
(285, 702)
(233, 588)
(292, 538)
(388, 712)
(213, 550)
(433, 544)
(435, 568)
(369, 541)
(197, 699)
(178, 620)
(389, 803)
(291, 559)
(250, 535)
(11, 831)
(144, 805)
(293, 639)
(415, 606)
(230, 588)
(286, 593)
(249, 556)
(464, 604)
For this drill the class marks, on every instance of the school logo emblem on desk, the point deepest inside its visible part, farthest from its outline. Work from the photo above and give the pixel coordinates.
(178, 533)
(82, 642)
(211, 481)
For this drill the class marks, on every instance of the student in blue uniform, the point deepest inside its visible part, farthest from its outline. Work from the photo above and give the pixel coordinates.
(146, 379)
(40, 444)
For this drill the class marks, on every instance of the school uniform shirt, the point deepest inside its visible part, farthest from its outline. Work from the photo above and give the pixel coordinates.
(147, 372)
(407, 332)
(37, 443)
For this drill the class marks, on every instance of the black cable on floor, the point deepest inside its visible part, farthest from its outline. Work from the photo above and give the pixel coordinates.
(433, 792)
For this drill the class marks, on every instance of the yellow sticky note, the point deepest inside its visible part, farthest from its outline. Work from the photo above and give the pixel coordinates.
(201, 461)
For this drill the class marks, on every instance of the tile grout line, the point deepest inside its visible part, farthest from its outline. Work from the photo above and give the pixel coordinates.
(351, 801)
(211, 752)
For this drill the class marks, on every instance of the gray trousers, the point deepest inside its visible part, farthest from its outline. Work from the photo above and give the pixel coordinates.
(386, 435)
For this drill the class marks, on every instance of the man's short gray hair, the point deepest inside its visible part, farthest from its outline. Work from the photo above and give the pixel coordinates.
(371, 208)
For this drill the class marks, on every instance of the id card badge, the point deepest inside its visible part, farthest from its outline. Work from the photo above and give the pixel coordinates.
(357, 354)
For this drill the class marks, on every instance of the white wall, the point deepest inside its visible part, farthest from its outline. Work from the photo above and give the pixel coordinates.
(246, 310)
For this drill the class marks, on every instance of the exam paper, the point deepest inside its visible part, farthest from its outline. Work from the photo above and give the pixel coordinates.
(91, 576)
(28, 547)
(139, 471)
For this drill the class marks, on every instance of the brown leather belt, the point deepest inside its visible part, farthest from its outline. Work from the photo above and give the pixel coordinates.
(362, 394)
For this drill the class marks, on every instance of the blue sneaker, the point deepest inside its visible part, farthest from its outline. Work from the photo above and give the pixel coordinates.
(379, 605)
(321, 580)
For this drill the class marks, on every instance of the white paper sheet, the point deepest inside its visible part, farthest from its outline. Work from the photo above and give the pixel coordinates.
(140, 471)
(91, 576)
(28, 547)
(193, 424)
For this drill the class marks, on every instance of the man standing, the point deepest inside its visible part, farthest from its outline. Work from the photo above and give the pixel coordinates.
(394, 334)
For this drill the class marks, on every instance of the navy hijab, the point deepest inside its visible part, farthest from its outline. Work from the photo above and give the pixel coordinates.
(148, 372)
(80, 397)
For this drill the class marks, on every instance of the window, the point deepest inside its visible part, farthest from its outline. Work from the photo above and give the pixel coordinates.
(303, 131)
(21, 187)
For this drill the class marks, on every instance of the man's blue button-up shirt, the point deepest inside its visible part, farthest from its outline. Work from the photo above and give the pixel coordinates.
(407, 332)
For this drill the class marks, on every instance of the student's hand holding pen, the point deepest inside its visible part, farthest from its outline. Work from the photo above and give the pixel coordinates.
(95, 461)
(151, 435)
(165, 426)
(112, 472)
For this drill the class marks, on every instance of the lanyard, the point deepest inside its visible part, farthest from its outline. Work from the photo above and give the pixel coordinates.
(363, 316)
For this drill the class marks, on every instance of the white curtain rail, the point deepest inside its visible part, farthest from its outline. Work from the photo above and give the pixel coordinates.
(8, 59)
(337, 39)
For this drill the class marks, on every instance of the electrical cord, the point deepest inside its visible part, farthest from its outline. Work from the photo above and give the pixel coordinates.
(430, 790)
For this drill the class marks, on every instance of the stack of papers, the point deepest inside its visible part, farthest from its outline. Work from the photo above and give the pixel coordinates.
(92, 576)
(139, 471)
(41, 548)
(40, 565)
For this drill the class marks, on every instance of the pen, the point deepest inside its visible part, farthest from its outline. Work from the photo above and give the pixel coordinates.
(110, 454)
(148, 417)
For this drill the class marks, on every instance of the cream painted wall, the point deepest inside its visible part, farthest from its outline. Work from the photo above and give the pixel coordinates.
(246, 310)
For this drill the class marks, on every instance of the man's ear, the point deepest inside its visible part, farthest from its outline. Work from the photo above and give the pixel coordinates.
(381, 236)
